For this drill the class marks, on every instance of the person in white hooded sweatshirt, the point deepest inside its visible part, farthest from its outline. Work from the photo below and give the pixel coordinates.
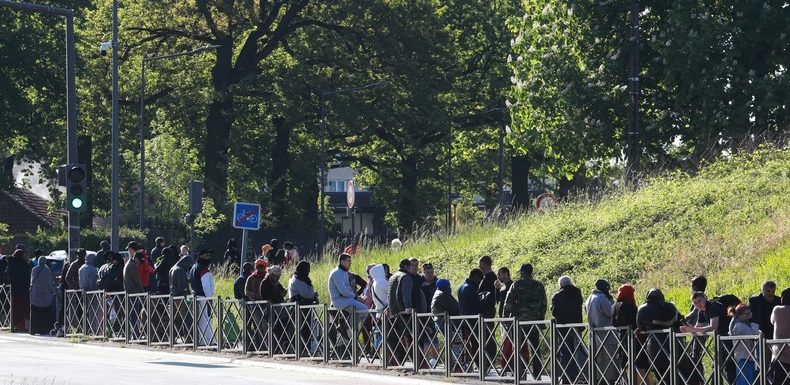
(379, 292)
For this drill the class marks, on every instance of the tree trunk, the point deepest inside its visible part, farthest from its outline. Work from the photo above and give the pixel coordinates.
(218, 124)
(281, 162)
(520, 181)
(409, 210)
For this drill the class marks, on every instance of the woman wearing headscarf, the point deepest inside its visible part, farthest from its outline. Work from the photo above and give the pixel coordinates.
(300, 287)
(42, 298)
(301, 291)
(624, 315)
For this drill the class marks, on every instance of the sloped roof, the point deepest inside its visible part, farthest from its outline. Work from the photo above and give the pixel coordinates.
(24, 211)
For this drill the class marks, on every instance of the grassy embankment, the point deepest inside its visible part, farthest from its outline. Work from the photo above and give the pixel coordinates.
(730, 221)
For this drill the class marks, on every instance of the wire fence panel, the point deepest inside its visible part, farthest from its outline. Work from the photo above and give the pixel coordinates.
(609, 348)
(341, 326)
(535, 352)
(370, 338)
(206, 325)
(283, 320)
(159, 322)
(74, 308)
(137, 321)
(5, 307)
(232, 326)
(744, 354)
(691, 354)
(572, 353)
(312, 333)
(116, 316)
(95, 310)
(182, 330)
(499, 355)
(399, 341)
(258, 333)
(464, 337)
(432, 353)
(778, 372)
(655, 350)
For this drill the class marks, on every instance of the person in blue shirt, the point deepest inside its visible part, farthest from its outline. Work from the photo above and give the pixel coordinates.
(468, 298)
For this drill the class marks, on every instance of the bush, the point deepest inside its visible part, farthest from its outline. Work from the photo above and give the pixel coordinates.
(56, 238)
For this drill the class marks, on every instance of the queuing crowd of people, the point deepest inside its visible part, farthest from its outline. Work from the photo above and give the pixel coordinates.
(415, 288)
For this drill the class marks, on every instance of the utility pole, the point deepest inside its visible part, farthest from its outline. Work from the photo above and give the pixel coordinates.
(115, 183)
(633, 138)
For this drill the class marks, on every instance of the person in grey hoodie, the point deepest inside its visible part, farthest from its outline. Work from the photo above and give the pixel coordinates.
(599, 315)
(179, 287)
(88, 274)
(179, 280)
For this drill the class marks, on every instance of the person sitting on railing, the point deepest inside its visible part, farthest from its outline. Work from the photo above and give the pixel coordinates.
(88, 274)
(241, 280)
(779, 372)
(340, 291)
(301, 291)
(300, 286)
(744, 352)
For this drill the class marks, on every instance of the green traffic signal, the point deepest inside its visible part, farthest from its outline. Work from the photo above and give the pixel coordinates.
(76, 203)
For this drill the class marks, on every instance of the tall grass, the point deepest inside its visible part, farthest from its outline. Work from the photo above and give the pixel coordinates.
(730, 221)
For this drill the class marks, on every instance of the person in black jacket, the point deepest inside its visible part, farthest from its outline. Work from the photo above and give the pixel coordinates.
(241, 280)
(763, 305)
(162, 270)
(566, 308)
(18, 274)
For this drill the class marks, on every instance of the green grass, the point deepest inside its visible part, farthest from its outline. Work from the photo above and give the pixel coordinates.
(730, 221)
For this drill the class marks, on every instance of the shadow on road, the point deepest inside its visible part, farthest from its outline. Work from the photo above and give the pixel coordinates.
(191, 365)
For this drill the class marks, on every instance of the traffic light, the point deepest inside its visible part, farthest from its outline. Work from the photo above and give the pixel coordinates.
(76, 187)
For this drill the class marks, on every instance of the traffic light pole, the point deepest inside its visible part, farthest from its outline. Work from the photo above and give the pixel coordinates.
(71, 98)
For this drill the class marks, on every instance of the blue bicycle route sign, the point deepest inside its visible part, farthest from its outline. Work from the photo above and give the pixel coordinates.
(247, 216)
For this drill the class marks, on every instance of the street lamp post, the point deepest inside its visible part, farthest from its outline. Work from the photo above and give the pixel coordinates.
(322, 110)
(142, 118)
(115, 183)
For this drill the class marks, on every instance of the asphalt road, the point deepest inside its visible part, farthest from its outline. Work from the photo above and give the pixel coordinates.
(26, 360)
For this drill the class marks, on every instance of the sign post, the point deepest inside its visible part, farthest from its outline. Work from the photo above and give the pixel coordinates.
(351, 194)
(246, 216)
